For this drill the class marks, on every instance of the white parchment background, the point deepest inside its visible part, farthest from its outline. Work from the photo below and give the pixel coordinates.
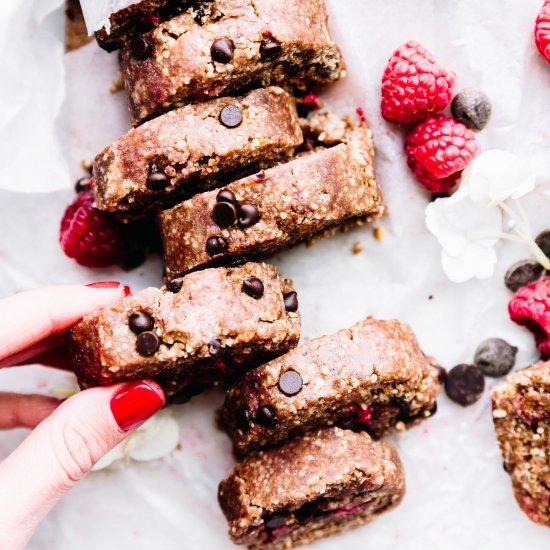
(55, 111)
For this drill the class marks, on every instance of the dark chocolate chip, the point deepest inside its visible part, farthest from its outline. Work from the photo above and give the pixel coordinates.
(253, 287)
(543, 242)
(465, 384)
(141, 48)
(175, 285)
(290, 382)
(523, 273)
(225, 195)
(200, 16)
(270, 48)
(158, 180)
(265, 416)
(148, 343)
(222, 50)
(260, 176)
(471, 107)
(224, 214)
(305, 512)
(140, 322)
(216, 246)
(249, 215)
(82, 185)
(291, 301)
(214, 347)
(231, 116)
(495, 357)
(275, 521)
(242, 419)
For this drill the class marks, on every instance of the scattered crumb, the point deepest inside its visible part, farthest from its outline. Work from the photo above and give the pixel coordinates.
(378, 233)
(431, 297)
(361, 114)
(87, 165)
(178, 447)
(357, 247)
(117, 85)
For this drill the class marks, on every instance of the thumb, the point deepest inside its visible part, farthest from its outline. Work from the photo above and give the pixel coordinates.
(64, 448)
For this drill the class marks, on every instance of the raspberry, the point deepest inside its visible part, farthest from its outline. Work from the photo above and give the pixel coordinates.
(414, 85)
(89, 236)
(530, 307)
(438, 150)
(542, 30)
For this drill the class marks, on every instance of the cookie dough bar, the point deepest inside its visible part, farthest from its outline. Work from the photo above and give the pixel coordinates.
(330, 184)
(371, 377)
(189, 149)
(314, 486)
(203, 328)
(238, 43)
(521, 415)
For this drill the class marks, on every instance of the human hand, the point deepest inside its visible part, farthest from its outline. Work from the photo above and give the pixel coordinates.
(68, 437)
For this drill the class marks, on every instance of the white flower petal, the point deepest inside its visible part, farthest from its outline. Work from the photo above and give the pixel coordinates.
(158, 437)
(478, 262)
(495, 176)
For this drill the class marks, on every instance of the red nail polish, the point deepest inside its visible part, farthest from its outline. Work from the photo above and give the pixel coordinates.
(111, 284)
(134, 404)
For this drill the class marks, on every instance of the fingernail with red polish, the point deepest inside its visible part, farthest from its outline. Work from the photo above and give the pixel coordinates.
(111, 284)
(135, 403)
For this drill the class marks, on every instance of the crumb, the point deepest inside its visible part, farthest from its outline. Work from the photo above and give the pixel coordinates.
(117, 85)
(378, 233)
(178, 447)
(357, 247)
(431, 297)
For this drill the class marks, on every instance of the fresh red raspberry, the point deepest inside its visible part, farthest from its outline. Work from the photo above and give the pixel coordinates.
(530, 307)
(438, 150)
(89, 236)
(542, 30)
(414, 85)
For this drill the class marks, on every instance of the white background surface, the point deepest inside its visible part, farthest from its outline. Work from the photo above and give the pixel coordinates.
(458, 495)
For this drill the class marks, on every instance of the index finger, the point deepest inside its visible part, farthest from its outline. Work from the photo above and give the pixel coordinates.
(31, 317)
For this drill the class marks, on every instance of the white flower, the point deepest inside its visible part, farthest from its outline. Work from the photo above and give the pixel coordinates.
(469, 224)
(467, 232)
(157, 437)
(496, 176)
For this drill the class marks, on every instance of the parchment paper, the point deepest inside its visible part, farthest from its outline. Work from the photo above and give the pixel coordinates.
(458, 494)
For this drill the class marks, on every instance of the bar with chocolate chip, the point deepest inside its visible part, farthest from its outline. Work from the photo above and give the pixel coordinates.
(330, 183)
(311, 487)
(521, 415)
(190, 149)
(372, 376)
(203, 328)
(233, 45)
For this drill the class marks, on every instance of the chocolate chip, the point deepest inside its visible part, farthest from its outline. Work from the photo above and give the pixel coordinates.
(82, 185)
(175, 285)
(441, 373)
(265, 416)
(253, 287)
(260, 176)
(464, 384)
(141, 48)
(200, 16)
(495, 357)
(543, 242)
(224, 214)
(275, 521)
(290, 382)
(231, 116)
(306, 512)
(216, 246)
(225, 195)
(214, 347)
(270, 48)
(148, 343)
(523, 273)
(471, 107)
(158, 180)
(140, 322)
(249, 215)
(222, 50)
(291, 301)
